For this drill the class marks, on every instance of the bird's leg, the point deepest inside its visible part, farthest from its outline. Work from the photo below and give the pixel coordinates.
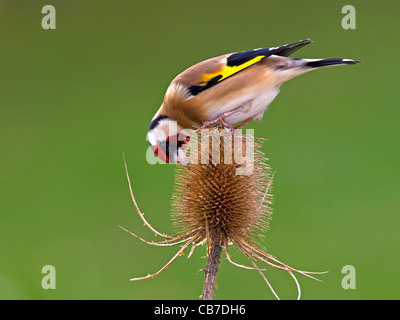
(257, 117)
(240, 126)
(221, 118)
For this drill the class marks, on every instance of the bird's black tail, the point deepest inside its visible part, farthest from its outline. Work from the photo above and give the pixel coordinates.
(317, 63)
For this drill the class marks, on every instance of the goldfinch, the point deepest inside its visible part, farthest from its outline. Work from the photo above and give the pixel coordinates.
(232, 88)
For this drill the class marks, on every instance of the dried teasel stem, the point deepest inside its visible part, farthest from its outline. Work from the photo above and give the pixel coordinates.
(211, 270)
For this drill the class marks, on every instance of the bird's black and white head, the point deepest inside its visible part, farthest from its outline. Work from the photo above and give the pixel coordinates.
(166, 139)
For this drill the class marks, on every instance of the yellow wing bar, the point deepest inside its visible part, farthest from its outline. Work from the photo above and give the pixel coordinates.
(227, 71)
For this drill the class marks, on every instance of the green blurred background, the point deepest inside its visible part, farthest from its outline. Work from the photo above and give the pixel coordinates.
(72, 100)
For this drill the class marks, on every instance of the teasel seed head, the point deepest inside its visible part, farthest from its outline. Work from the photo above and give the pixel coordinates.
(211, 197)
(222, 195)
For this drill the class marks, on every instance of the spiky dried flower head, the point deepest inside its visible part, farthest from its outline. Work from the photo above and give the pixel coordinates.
(222, 194)
(227, 191)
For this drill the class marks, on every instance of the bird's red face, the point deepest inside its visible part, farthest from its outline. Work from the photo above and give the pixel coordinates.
(166, 139)
(168, 150)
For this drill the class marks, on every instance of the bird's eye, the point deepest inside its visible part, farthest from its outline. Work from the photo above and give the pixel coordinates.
(168, 150)
(164, 145)
(171, 144)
